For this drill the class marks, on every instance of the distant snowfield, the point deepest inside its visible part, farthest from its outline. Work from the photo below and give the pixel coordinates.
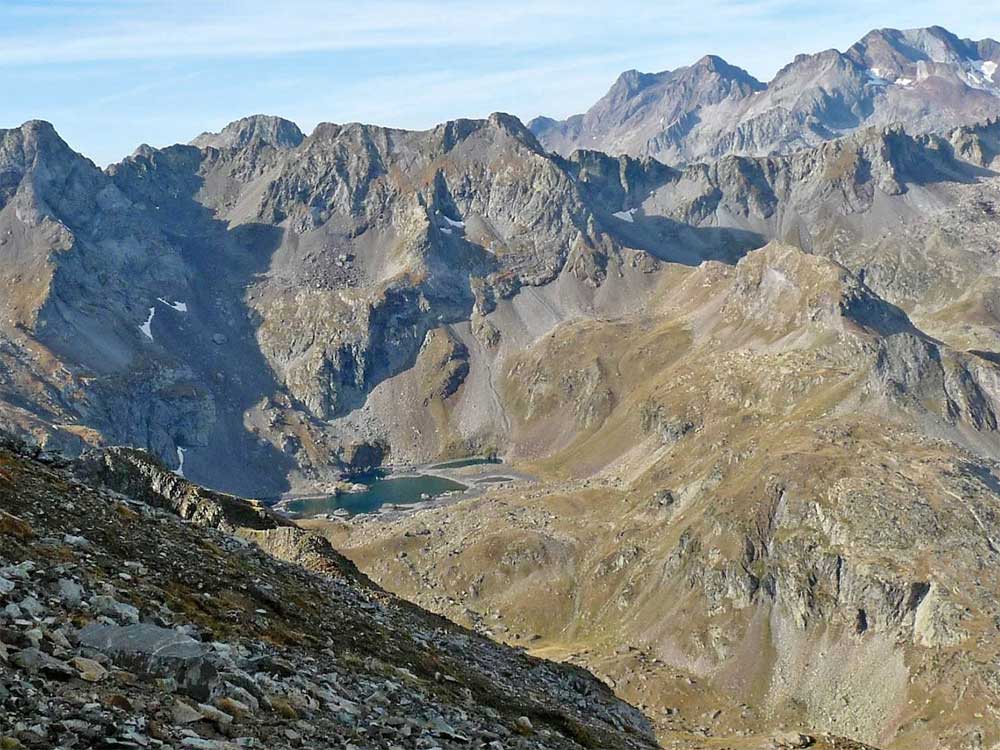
(625, 215)
(979, 74)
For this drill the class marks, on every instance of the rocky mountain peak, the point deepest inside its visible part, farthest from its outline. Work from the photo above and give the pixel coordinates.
(909, 56)
(630, 82)
(508, 126)
(712, 62)
(933, 44)
(36, 130)
(709, 70)
(818, 61)
(261, 129)
(643, 108)
(33, 140)
(50, 178)
(715, 64)
(781, 286)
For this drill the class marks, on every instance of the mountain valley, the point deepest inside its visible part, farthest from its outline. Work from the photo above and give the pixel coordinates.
(736, 343)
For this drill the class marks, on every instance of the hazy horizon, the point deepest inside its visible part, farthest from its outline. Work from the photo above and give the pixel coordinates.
(113, 75)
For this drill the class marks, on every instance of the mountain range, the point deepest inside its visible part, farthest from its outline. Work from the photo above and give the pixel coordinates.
(927, 78)
(741, 342)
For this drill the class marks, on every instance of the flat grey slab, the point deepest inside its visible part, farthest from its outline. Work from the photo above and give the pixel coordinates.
(142, 640)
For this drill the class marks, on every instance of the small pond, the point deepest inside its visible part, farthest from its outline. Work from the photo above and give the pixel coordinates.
(379, 492)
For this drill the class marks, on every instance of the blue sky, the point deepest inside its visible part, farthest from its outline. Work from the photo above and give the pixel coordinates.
(111, 74)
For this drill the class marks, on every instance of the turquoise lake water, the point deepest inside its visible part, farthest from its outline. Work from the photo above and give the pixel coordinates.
(380, 491)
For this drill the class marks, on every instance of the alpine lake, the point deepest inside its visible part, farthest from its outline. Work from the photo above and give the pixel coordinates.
(385, 489)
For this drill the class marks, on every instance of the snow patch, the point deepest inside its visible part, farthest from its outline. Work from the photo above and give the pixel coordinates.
(453, 223)
(625, 215)
(178, 306)
(179, 471)
(147, 327)
(875, 78)
(445, 230)
(979, 74)
(904, 81)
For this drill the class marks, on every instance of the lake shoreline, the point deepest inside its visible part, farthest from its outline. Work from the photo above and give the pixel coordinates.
(473, 475)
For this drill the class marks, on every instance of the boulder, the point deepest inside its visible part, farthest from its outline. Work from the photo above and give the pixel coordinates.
(158, 652)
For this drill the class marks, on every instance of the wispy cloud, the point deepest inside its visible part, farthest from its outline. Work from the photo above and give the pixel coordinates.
(139, 30)
(142, 90)
(61, 32)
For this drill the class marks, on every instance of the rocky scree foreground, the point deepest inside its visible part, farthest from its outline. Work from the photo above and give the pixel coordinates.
(127, 625)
